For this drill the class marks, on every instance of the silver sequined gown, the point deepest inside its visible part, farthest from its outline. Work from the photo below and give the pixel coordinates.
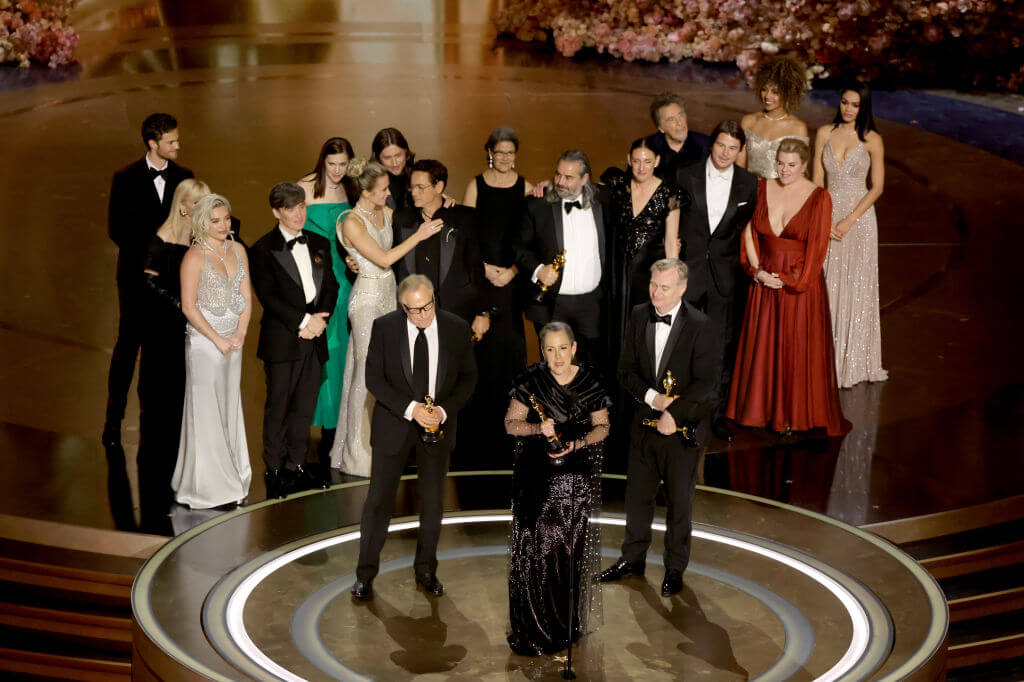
(761, 153)
(373, 295)
(213, 456)
(851, 272)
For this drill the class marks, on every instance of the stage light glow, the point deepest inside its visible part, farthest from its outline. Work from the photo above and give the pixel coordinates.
(236, 603)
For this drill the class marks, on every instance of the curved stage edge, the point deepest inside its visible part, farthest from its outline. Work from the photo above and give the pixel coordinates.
(773, 592)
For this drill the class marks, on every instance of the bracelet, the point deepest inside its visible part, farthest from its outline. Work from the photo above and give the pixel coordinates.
(756, 273)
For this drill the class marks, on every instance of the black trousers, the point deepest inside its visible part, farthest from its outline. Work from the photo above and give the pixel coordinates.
(582, 312)
(723, 312)
(292, 389)
(654, 458)
(130, 325)
(385, 472)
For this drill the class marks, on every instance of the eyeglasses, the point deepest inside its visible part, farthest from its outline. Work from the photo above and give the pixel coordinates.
(419, 311)
(420, 188)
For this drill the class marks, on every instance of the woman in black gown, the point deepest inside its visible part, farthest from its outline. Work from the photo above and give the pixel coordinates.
(391, 150)
(499, 196)
(645, 214)
(553, 504)
(162, 364)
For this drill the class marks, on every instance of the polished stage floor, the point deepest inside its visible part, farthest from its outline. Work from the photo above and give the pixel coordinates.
(772, 593)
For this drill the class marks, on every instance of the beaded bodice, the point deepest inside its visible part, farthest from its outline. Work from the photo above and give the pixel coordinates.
(761, 153)
(219, 297)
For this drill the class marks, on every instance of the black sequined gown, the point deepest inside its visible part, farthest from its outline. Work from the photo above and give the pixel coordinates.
(639, 241)
(552, 510)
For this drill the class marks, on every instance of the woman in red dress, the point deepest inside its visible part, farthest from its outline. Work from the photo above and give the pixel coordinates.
(785, 375)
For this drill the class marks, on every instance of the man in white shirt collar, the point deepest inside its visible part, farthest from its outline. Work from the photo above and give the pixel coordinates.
(722, 201)
(570, 218)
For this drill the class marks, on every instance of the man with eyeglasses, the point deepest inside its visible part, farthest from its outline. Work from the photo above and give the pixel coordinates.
(674, 143)
(415, 352)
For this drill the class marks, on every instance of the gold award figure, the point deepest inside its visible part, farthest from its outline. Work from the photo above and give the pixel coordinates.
(433, 435)
(669, 384)
(555, 443)
(557, 264)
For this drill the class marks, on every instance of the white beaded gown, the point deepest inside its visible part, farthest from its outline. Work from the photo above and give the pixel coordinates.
(213, 455)
(373, 295)
(761, 153)
(851, 272)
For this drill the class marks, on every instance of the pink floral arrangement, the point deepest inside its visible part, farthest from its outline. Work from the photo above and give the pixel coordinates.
(36, 31)
(974, 40)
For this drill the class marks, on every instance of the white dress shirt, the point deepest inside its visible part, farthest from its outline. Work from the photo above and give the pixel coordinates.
(661, 332)
(432, 350)
(582, 271)
(159, 181)
(300, 254)
(716, 191)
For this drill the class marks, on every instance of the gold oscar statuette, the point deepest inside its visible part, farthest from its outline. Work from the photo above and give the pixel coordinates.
(557, 264)
(669, 384)
(435, 434)
(554, 442)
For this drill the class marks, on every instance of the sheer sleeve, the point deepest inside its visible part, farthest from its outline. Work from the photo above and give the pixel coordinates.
(601, 425)
(515, 420)
(816, 250)
(761, 205)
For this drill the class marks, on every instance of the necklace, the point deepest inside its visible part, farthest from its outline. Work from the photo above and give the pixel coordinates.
(778, 118)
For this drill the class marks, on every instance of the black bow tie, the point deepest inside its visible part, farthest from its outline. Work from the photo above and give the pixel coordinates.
(656, 318)
(301, 239)
(569, 205)
(154, 173)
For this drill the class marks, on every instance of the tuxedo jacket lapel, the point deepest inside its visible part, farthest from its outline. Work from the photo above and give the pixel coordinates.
(556, 212)
(598, 210)
(670, 343)
(699, 183)
(406, 353)
(316, 261)
(442, 356)
(651, 349)
(284, 257)
(447, 251)
(410, 258)
(730, 205)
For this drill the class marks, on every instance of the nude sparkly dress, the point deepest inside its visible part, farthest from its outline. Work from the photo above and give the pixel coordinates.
(851, 272)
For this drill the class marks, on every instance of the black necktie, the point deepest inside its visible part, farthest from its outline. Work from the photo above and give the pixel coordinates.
(656, 318)
(570, 205)
(420, 366)
(301, 239)
(154, 173)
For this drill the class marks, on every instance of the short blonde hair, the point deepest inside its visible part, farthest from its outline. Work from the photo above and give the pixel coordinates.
(792, 145)
(188, 189)
(201, 215)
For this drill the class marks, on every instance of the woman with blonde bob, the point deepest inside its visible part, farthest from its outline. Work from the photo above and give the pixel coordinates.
(213, 458)
(162, 363)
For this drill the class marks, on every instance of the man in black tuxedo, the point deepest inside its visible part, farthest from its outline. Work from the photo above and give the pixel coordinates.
(450, 259)
(570, 218)
(415, 352)
(674, 143)
(292, 276)
(722, 201)
(666, 335)
(140, 201)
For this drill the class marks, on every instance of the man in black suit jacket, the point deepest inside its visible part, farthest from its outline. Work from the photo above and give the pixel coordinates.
(140, 201)
(450, 259)
(415, 352)
(292, 277)
(674, 143)
(722, 201)
(666, 335)
(571, 218)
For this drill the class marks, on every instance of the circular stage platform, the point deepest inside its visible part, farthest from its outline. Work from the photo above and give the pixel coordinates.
(772, 593)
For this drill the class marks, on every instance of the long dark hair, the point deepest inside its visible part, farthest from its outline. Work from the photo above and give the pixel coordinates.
(392, 136)
(865, 121)
(334, 145)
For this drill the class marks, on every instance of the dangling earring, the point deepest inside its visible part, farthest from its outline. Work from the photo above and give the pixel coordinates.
(513, 165)
(183, 213)
(490, 161)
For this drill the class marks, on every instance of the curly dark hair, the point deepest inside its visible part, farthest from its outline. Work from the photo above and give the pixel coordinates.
(787, 75)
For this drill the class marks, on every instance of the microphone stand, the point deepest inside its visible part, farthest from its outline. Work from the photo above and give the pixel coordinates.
(567, 673)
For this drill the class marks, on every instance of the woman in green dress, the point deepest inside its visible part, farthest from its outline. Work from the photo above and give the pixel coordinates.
(330, 193)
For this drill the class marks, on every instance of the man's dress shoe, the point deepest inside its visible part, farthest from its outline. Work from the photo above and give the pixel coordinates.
(363, 591)
(672, 583)
(430, 584)
(620, 569)
(306, 480)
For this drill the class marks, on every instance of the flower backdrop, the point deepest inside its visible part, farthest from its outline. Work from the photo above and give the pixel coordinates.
(36, 31)
(956, 42)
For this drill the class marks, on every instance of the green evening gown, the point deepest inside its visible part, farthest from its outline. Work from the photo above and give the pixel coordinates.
(322, 219)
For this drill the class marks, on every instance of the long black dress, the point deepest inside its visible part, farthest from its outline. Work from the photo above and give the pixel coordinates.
(501, 354)
(552, 509)
(161, 384)
(639, 242)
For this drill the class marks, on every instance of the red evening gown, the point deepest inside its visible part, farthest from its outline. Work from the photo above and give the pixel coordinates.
(785, 372)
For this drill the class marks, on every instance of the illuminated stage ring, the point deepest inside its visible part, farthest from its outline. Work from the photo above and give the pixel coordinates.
(224, 626)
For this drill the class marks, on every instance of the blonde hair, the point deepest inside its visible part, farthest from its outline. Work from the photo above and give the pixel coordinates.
(365, 172)
(201, 215)
(189, 189)
(792, 145)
